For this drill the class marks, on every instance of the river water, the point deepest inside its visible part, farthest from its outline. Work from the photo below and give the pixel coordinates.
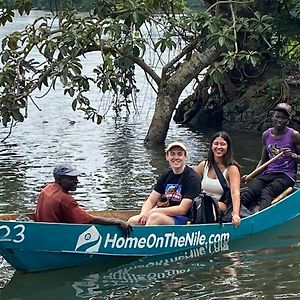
(119, 174)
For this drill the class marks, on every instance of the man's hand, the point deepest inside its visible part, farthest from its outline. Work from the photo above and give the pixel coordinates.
(126, 228)
(144, 218)
(287, 152)
(244, 178)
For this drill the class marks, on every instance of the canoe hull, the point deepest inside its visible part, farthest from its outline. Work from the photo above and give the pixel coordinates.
(31, 246)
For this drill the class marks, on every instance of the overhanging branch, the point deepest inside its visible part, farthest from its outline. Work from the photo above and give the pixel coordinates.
(139, 61)
(190, 69)
(227, 2)
(177, 58)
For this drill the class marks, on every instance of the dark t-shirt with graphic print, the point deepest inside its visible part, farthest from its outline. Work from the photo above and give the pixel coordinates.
(179, 186)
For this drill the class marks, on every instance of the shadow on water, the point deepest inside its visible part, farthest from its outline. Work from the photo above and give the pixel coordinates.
(220, 262)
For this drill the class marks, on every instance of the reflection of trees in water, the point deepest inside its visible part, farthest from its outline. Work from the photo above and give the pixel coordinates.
(6, 273)
(131, 169)
(12, 177)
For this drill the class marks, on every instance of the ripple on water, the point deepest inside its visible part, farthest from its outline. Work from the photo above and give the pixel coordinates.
(6, 273)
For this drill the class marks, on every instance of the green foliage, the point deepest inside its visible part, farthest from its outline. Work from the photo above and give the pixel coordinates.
(286, 26)
(216, 74)
(24, 6)
(7, 7)
(249, 57)
(273, 88)
(122, 31)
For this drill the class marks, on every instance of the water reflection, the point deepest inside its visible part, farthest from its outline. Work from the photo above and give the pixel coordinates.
(223, 271)
(12, 175)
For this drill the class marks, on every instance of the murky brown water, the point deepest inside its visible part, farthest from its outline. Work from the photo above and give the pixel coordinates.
(119, 174)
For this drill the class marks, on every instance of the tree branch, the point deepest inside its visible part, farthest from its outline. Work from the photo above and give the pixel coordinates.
(199, 60)
(139, 61)
(234, 29)
(227, 2)
(184, 51)
(10, 131)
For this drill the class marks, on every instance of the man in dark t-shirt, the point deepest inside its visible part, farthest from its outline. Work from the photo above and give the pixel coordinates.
(179, 186)
(55, 204)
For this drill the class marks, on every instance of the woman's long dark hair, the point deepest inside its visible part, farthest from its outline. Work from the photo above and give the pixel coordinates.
(228, 157)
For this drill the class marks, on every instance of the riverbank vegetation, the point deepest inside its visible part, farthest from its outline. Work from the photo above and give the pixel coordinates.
(241, 56)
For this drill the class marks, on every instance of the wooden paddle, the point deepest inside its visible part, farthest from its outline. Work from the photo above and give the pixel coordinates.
(260, 168)
(282, 195)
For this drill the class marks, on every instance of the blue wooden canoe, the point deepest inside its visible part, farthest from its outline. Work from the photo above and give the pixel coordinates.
(36, 246)
(99, 282)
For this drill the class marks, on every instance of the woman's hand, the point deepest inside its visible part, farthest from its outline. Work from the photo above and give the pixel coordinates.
(236, 220)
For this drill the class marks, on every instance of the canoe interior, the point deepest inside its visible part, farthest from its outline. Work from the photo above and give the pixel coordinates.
(121, 214)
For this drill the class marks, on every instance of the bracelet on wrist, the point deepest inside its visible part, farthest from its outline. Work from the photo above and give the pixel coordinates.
(295, 156)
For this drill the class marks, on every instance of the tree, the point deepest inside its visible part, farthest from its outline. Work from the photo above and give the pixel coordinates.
(261, 70)
(227, 44)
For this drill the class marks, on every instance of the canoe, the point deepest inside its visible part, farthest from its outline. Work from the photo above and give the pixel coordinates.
(97, 282)
(37, 246)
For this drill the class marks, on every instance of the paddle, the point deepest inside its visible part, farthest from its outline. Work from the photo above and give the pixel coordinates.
(260, 168)
(283, 194)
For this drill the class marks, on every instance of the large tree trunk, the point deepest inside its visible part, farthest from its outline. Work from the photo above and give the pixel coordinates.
(169, 90)
(165, 105)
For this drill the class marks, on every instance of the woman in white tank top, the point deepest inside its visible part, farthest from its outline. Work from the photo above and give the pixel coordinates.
(212, 186)
(220, 152)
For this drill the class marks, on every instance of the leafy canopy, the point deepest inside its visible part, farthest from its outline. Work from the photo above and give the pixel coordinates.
(122, 32)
